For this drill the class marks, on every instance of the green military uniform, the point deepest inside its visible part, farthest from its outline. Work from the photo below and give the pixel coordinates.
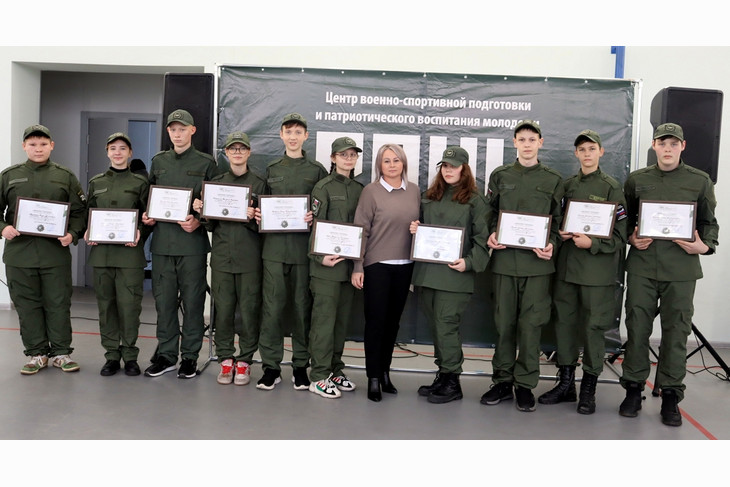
(119, 269)
(235, 263)
(443, 292)
(286, 263)
(664, 272)
(39, 268)
(179, 258)
(585, 279)
(522, 280)
(333, 199)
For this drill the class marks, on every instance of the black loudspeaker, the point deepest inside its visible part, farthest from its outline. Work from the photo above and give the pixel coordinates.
(699, 112)
(194, 93)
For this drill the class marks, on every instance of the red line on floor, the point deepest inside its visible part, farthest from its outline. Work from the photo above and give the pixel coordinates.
(689, 418)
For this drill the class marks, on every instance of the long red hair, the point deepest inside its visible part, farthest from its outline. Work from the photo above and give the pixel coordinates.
(462, 190)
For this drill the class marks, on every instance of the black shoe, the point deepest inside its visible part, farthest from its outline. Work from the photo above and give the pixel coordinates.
(631, 406)
(525, 399)
(159, 366)
(670, 409)
(269, 380)
(188, 369)
(300, 379)
(386, 385)
(374, 390)
(587, 399)
(132, 368)
(497, 393)
(448, 390)
(565, 390)
(424, 391)
(111, 367)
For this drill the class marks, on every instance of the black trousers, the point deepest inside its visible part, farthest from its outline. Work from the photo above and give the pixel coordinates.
(385, 292)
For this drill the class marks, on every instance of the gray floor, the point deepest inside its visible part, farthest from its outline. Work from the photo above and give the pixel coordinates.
(84, 405)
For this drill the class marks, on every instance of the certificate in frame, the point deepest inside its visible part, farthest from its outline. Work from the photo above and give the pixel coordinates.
(592, 218)
(112, 225)
(437, 244)
(523, 230)
(283, 213)
(168, 203)
(667, 220)
(337, 238)
(225, 201)
(41, 218)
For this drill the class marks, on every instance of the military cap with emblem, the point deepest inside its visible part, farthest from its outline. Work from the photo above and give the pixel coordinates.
(118, 136)
(529, 123)
(344, 143)
(182, 116)
(669, 130)
(37, 130)
(237, 138)
(294, 118)
(455, 155)
(589, 135)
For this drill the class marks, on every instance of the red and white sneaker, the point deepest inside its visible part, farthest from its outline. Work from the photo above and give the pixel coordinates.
(243, 373)
(325, 388)
(226, 374)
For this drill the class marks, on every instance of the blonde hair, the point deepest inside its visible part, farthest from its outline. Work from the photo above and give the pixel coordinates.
(399, 152)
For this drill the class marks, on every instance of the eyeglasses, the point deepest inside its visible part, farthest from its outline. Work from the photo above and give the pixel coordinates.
(237, 150)
(347, 156)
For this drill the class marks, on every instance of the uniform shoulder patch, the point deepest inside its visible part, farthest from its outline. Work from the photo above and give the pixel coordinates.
(316, 205)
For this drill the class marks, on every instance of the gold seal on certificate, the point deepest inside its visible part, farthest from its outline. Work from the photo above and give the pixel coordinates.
(667, 220)
(591, 218)
(42, 218)
(437, 244)
(523, 230)
(281, 213)
(112, 226)
(225, 201)
(337, 238)
(168, 203)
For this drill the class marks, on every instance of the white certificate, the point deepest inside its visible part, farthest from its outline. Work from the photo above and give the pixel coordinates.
(42, 218)
(337, 238)
(112, 226)
(591, 218)
(523, 230)
(283, 213)
(667, 220)
(437, 244)
(225, 201)
(169, 204)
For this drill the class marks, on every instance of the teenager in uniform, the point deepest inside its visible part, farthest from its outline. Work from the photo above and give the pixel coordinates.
(585, 281)
(39, 268)
(334, 199)
(286, 261)
(235, 263)
(119, 269)
(179, 253)
(444, 290)
(522, 277)
(664, 272)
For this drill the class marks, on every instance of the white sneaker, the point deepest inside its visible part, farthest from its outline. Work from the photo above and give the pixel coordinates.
(34, 365)
(243, 373)
(225, 376)
(65, 363)
(343, 383)
(325, 388)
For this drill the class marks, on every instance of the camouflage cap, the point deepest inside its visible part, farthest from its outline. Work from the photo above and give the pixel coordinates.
(294, 118)
(182, 116)
(237, 138)
(37, 130)
(119, 136)
(344, 143)
(531, 124)
(670, 130)
(589, 135)
(455, 155)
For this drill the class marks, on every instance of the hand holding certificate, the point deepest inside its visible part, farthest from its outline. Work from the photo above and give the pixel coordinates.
(41, 218)
(595, 219)
(169, 204)
(225, 201)
(523, 230)
(667, 220)
(284, 213)
(437, 244)
(334, 238)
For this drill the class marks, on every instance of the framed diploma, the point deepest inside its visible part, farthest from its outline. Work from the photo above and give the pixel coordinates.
(437, 244)
(667, 220)
(523, 230)
(168, 204)
(112, 226)
(336, 238)
(283, 213)
(591, 218)
(42, 218)
(225, 201)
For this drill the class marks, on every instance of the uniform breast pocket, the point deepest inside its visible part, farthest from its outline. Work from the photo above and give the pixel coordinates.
(59, 191)
(337, 210)
(277, 184)
(542, 199)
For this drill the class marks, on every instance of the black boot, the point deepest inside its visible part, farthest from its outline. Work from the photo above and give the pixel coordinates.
(670, 409)
(565, 390)
(386, 385)
(448, 390)
(632, 404)
(426, 390)
(374, 390)
(587, 399)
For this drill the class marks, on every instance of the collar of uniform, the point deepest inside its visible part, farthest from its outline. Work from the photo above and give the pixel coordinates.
(36, 165)
(297, 160)
(589, 175)
(111, 172)
(526, 168)
(662, 172)
(184, 153)
(343, 179)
